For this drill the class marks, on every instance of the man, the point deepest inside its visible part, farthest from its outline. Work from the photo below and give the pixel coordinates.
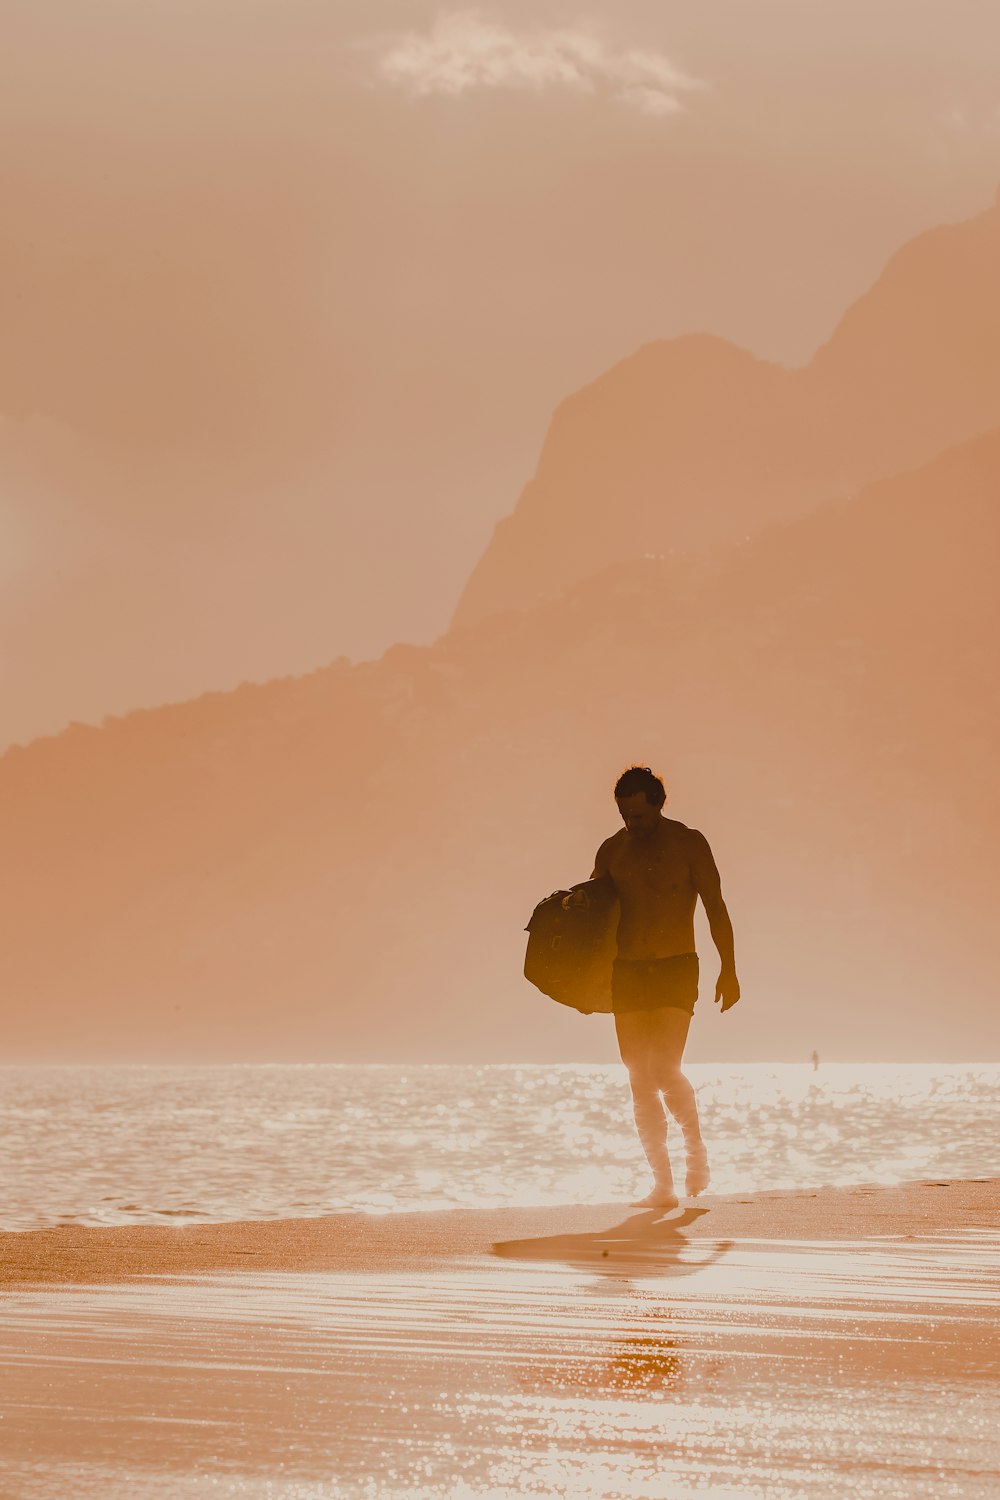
(659, 868)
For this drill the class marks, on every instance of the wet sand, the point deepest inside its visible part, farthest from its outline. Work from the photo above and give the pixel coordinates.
(836, 1343)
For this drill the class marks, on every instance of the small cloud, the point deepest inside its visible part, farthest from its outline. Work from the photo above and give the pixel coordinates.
(463, 51)
(651, 101)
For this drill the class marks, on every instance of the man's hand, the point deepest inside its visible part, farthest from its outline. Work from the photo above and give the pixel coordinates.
(727, 989)
(575, 899)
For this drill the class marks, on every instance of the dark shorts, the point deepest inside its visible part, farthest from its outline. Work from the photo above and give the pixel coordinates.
(649, 983)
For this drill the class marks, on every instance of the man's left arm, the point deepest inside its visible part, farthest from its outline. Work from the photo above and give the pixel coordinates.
(708, 884)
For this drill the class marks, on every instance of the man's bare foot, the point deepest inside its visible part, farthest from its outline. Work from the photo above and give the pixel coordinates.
(698, 1175)
(660, 1197)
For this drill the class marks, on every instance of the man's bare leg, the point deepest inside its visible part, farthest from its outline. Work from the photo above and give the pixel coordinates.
(638, 1045)
(652, 1045)
(680, 1099)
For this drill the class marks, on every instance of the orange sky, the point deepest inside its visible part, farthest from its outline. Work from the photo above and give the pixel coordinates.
(289, 292)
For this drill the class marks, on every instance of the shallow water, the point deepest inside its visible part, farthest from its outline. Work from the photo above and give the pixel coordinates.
(133, 1144)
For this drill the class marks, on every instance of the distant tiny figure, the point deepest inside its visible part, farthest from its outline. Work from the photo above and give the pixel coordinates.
(659, 868)
(815, 1060)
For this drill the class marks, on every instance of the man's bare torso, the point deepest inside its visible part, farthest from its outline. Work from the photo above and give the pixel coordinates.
(656, 877)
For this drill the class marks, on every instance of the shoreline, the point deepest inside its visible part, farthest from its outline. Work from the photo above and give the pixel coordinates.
(796, 1345)
(361, 1241)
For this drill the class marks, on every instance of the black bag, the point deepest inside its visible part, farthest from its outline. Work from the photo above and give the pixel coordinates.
(570, 952)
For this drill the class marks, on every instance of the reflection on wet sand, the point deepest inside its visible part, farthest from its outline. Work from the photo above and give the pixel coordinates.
(644, 1245)
(643, 1365)
(669, 1365)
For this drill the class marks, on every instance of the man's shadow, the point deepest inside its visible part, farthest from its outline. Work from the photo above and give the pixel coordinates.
(644, 1244)
(643, 1361)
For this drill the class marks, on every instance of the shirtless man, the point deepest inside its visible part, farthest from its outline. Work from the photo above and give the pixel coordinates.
(659, 868)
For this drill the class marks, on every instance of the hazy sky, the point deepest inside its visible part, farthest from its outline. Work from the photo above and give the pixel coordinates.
(289, 291)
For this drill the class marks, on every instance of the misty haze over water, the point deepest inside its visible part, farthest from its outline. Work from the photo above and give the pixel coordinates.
(180, 1143)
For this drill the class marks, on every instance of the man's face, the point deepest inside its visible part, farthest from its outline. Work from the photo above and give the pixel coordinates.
(639, 816)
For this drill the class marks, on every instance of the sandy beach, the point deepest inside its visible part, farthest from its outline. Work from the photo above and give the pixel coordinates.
(840, 1342)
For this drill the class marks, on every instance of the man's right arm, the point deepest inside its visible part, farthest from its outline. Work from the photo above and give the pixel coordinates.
(602, 859)
(602, 866)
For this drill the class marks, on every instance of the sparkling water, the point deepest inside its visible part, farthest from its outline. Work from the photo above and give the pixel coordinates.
(154, 1144)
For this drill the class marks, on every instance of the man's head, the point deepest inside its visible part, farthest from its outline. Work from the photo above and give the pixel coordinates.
(640, 796)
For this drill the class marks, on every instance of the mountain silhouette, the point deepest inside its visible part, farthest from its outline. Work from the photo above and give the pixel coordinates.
(692, 443)
(340, 865)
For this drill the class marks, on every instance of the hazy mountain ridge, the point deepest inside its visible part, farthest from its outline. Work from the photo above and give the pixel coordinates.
(340, 865)
(692, 442)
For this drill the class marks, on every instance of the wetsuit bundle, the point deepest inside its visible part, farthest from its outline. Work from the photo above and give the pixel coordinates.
(571, 949)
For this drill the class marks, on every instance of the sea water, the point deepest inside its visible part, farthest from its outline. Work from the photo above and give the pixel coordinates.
(179, 1143)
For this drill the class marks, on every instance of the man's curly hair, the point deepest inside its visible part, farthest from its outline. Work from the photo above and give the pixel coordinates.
(641, 779)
